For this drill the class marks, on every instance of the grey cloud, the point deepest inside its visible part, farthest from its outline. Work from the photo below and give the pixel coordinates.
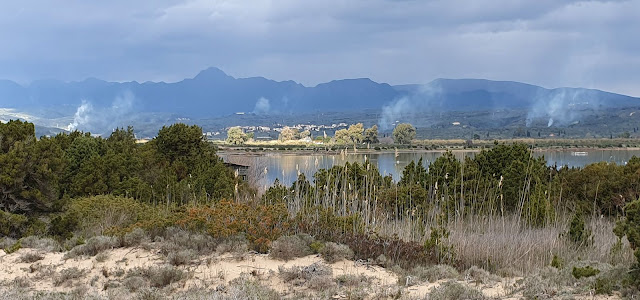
(551, 43)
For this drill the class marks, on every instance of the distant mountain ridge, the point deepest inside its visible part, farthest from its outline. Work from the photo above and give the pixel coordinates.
(214, 93)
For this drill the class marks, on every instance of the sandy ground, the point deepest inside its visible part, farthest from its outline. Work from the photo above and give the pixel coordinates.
(211, 272)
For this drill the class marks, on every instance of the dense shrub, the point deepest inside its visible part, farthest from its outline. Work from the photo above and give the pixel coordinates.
(630, 227)
(261, 224)
(580, 272)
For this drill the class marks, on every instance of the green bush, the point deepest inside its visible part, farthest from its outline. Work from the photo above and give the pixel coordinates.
(587, 271)
(557, 262)
(578, 233)
(630, 227)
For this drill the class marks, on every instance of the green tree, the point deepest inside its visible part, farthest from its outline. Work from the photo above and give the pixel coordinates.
(404, 133)
(15, 131)
(179, 140)
(371, 135)
(236, 136)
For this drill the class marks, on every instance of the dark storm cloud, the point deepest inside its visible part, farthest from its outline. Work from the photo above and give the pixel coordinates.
(551, 43)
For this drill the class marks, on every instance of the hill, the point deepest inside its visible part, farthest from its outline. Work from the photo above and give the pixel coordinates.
(213, 93)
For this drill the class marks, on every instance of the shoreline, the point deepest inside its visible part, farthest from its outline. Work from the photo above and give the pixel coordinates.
(309, 152)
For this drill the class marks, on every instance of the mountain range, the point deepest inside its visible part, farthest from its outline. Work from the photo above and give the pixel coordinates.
(213, 93)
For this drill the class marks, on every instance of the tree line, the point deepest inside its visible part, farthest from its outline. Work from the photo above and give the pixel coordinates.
(355, 134)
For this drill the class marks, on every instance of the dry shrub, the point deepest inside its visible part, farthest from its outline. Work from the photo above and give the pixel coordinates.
(395, 250)
(420, 274)
(93, 246)
(21, 282)
(478, 275)
(135, 283)
(6, 242)
(179, 239)
(351, 280)
(290, 247)
(304, 273)
(181, 257)
(455, 290)
(102, 257)
(239, 288)
(150, 294)
(332, 252)
(321, 283)
(136, 237)
(237, 245)
(30, 257)
(66, 275)
(160, 276)
(43, 244)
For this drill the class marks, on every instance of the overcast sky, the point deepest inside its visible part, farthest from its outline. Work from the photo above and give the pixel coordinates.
(552, 43)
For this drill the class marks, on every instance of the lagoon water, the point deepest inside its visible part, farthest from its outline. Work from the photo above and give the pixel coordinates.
(285, 166)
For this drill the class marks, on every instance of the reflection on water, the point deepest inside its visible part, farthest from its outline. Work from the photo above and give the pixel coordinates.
(286, 166)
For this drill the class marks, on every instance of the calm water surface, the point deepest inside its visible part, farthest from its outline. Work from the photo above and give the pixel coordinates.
(285, 166)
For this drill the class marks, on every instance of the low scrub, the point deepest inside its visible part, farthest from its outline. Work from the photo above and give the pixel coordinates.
(304, 273)
(30, 257)
(419, 274)
(290, 247)
(332, 252)
(93, 246)
(43, 244)
(160, 276)
(479, 275)
(455, 290)
(67, 275)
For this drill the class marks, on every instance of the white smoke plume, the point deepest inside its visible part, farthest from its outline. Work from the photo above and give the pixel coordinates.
(104, 120)
(410, 108)
(82, 116)
(262, 106)
(561, 107)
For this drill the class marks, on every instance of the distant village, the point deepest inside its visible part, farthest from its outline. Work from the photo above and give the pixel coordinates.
(266, 133)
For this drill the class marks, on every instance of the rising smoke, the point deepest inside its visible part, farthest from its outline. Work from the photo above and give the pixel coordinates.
(561, 107)
(412, 108)
(103, 121)
(262, 106)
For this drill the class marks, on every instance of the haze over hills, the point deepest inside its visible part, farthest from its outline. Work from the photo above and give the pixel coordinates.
(213, 93)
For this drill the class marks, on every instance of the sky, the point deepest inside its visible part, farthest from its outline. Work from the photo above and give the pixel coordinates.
(552, 43)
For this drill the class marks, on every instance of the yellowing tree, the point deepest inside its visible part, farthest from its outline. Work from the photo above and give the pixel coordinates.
(236, 136)
(288, 134)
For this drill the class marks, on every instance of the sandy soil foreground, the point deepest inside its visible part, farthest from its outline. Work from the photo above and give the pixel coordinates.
(121, 273)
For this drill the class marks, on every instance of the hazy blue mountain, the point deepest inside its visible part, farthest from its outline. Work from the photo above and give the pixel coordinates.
(213, 93)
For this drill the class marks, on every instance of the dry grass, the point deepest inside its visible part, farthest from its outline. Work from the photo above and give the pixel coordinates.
(506, 245)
